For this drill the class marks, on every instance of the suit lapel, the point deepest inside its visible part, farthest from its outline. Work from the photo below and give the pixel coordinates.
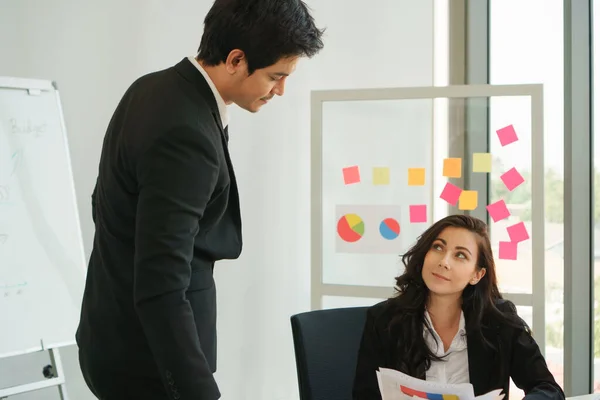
(233, 190)
(191, 74)
(224, 132)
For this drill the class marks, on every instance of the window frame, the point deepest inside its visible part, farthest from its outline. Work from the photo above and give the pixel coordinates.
(472, 64)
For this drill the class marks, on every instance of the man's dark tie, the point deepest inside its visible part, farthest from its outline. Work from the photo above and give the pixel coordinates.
(226, 131)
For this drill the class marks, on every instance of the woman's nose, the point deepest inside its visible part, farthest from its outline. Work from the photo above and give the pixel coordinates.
(444, 262)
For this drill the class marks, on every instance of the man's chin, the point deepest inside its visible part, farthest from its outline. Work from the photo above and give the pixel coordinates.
(253, 107)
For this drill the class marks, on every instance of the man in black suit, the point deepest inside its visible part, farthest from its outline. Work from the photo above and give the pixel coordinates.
(166, 206)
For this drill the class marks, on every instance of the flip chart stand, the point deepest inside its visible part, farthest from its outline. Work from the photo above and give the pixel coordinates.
(54, 374)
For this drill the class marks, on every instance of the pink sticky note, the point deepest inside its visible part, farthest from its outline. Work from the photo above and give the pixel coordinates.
(351, 175)
(498, 210)
(451, 193)
(517, 232)
(507, 250)
(507, 135)
(418, 213)
(512, 178)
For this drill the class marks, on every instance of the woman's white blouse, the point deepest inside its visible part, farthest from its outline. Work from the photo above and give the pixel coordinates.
(455, 366)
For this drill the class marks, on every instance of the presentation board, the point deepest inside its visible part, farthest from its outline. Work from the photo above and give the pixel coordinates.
(387, 163)
(372, 149)
(42, 262)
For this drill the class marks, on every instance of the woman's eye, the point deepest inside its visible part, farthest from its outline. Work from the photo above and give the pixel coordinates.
(461, 255)
(437, 247)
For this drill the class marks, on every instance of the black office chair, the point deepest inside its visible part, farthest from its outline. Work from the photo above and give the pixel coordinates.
(326, 344)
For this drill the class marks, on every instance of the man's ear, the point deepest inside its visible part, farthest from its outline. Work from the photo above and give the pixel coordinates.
(236, 61)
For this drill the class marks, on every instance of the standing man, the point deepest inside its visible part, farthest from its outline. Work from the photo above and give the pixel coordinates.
(166, 206)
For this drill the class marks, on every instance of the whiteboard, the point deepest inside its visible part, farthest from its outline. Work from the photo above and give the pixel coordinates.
(365, 117)
(392, 134)
(42, 262)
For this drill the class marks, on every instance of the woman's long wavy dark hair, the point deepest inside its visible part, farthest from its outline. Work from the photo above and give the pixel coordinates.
(408, 306)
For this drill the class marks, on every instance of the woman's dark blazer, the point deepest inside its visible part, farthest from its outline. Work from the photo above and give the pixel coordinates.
(518, 357)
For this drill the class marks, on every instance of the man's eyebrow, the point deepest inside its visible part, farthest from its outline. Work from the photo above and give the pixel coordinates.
(280, 74)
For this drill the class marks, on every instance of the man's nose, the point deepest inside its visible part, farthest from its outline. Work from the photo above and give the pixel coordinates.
(279, 88)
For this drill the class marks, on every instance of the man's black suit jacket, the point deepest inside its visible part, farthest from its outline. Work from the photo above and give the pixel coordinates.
(165, 208)
(517, 356)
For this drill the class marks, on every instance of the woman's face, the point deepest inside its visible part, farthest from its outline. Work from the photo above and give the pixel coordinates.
(451, 262)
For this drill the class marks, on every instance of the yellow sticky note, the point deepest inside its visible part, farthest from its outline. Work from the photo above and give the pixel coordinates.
(482, 162)
(453, 167)
(416, 176)
(381, 176)
(467, 200)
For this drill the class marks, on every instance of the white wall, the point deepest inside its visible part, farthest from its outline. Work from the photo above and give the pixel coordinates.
(95, 50)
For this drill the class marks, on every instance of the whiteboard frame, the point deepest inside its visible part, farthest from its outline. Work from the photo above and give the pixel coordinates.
(535, 91)
(7, 82)
(58, 379)
(34, 86)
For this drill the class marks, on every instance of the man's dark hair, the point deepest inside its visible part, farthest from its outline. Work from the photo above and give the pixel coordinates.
(265, 30)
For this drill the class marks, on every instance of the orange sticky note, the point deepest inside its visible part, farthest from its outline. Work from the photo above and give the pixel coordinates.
(453, 167)
(467, 200)
(416, 176)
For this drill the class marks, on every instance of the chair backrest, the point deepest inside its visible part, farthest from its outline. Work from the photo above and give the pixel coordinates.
(326, 344)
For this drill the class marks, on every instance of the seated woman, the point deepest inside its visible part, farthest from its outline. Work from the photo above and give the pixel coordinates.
(449, 323)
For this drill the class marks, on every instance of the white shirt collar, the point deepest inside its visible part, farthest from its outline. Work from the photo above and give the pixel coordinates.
(458, 343)
(223, 112)
(454, 366)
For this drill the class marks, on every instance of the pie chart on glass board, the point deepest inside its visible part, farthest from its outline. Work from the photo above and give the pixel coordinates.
(389, 228)
(351, 228)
